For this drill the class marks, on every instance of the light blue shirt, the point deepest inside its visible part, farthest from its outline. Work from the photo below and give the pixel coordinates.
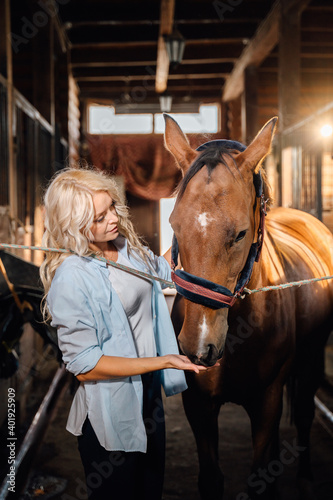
(91, 322)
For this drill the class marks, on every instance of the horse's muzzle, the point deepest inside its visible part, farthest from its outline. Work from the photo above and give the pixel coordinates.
(206, 359)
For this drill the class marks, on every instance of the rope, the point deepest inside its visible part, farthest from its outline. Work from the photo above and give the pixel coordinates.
(285, 285)
(98, 257)
(170, 284)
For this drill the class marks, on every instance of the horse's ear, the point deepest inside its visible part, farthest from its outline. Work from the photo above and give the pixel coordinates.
(259, 147)
(177, 143)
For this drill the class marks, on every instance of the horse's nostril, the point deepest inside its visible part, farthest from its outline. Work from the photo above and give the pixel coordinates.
(212, 352)
(207, 359)
(211, 357)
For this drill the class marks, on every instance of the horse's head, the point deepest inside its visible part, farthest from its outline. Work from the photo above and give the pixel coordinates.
(215, 221)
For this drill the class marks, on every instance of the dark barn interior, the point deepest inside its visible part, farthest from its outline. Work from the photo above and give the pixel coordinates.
(252, 59)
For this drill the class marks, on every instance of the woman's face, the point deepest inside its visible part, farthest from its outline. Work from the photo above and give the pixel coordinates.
(104, 227)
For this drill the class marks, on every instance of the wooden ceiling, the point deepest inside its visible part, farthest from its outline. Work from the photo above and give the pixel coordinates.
(117, 49)
(118, 53)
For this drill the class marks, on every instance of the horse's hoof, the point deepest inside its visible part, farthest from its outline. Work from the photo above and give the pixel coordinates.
(306, 491)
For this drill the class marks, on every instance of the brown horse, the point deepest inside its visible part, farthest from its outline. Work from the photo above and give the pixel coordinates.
(265, 340)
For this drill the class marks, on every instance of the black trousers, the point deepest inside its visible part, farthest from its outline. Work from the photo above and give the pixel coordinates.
(113, 475)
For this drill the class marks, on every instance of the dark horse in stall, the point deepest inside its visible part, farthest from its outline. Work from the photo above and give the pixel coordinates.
(266, 340)
(18, 307)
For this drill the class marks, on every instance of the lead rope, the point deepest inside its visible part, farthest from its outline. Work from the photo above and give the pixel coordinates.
(170, 284)
(291, 284)
(98, 257)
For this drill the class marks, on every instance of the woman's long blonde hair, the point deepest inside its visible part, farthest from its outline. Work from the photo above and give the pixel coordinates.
(69, 214)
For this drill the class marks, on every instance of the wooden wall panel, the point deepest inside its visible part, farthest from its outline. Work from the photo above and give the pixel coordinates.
(73, 120)
(4, 181)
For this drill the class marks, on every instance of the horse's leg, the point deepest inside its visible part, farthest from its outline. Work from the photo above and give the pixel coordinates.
(202, 414)
(265, 414)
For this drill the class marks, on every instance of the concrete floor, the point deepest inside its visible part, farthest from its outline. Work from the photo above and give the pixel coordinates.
(58, 468)
(58, 462)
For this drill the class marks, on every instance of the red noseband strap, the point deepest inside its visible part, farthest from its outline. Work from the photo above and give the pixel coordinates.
(202, 291)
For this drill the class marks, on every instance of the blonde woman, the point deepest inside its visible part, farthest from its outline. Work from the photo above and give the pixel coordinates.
(115, 335)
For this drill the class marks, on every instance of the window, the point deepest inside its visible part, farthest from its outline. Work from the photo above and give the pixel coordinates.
(166, 207)
(204, 121)
(104, 120)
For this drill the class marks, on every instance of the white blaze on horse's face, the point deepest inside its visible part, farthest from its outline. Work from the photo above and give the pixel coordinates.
(203, 328)
(204, 332)
(203, 220)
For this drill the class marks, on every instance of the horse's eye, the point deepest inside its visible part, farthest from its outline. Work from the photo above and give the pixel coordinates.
(240, 236)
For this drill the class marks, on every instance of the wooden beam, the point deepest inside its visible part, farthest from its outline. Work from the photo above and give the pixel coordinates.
(233, 44)
(12, 177)
(145, 78)
(98, 94)
(263, 41)
(42, 79)
(3, 40)
(52, 32)
(62, 35)
(289, 75)
(112, 64)
(137, 72)
(118, 55)
(309, 51)
(156, 22)
(250, 104)
(113, 45)
(166, 26)
(317, 38)
(83, 68)
(204, 17)
(135, 90)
